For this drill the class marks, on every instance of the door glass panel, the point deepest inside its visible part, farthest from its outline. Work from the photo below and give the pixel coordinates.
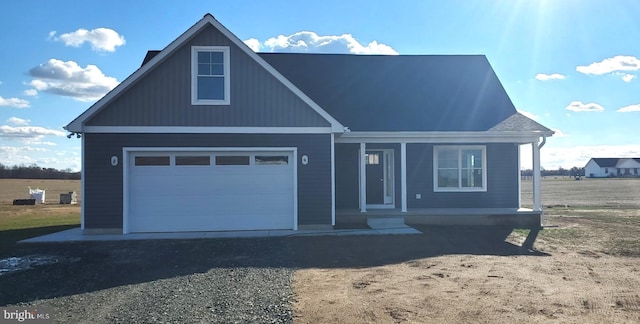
(372, 158)
(232, 160)
(272, 160)
(193, 160)
(152, 160)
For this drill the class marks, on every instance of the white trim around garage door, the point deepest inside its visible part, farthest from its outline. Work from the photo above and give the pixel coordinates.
(205, 130)
(126, 151)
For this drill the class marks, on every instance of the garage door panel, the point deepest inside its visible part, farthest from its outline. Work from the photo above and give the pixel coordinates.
(213, 197)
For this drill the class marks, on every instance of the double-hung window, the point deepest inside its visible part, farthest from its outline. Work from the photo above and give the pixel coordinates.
(460, 168)
(210, 79)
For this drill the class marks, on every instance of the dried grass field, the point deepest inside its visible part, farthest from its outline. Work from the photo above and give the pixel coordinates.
(11, 189)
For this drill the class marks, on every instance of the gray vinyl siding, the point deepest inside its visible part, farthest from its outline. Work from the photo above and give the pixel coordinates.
(162, 97)
(347, 182)
(104, 184)
(502, 180)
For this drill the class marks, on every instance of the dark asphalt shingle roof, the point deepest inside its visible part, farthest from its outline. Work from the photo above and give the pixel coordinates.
(609, 162)
(400, 93)
(403, 93)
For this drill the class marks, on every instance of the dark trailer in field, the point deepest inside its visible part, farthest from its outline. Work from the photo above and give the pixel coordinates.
(208, 135)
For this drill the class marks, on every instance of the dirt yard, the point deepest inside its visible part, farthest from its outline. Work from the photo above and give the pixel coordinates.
(586, 268)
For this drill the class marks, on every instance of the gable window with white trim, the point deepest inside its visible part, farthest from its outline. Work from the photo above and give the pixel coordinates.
(210, 75)
(459, 168)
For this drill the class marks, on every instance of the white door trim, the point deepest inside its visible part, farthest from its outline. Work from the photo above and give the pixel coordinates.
(127, 151)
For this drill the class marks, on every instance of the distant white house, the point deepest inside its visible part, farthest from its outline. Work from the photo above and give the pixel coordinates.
(612, 167)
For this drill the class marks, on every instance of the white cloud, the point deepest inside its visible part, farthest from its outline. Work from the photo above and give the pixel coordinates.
(71, 80)
(630, 108)
(310, 42)
(546, 77)
(559, 133)
(627, 77)
(28, 133)
(580, 106)
(14, 102)
(528, 114)
(253, 44)
(31, 92)
(43, 157)
(613, 65)
(42, 143)
(101, 39)
(18, 121)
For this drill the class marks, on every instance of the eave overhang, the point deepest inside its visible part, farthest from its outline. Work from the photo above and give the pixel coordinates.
(443, 137)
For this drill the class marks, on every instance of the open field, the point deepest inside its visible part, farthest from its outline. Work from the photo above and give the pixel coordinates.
(585, 269)
(11, 189)
(21, 222)
(566, 191)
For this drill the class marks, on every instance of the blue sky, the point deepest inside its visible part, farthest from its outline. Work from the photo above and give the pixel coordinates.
(572, 65)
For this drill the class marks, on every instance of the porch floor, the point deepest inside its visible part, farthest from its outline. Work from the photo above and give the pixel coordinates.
(512, 217)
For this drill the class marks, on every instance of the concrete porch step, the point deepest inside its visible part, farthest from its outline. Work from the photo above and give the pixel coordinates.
(386, 222)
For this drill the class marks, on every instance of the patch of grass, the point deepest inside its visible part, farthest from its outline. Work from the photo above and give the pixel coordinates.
(561, 234)
(21, 222)
(624, 247)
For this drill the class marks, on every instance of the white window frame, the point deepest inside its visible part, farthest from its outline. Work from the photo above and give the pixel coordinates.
(459, 149)
(194, 75)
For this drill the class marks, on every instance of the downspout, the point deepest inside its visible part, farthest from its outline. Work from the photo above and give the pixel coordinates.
(544, 141)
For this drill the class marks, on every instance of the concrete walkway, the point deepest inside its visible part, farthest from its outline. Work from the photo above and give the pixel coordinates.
(75, 234)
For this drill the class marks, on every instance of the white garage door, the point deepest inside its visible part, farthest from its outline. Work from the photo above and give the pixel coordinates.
(210, 191)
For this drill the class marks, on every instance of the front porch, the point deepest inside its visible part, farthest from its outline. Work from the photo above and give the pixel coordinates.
(506, 217)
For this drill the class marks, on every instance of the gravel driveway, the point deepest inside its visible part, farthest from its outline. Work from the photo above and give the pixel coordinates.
(164, 281)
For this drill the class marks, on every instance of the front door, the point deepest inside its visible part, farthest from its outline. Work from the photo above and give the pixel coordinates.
(379, 175)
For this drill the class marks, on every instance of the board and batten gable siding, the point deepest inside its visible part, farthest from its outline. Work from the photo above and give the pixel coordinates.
(502, 180)
(162, 97)
(104, 184)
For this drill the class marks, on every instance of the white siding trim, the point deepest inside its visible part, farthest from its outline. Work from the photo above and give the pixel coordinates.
(439, 137)
(537, 200)
(403, 176)
(82, 176)
(333, 180)
(295, 187)
(125, 190)
(363, 178)
(519, 181)
(205, 130)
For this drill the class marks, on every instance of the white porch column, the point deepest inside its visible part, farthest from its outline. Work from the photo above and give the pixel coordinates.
(363, 178)
(403, 175)
(537, 201)
(333, 180)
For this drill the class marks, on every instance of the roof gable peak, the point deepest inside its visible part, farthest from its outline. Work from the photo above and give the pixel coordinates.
(77, 124)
